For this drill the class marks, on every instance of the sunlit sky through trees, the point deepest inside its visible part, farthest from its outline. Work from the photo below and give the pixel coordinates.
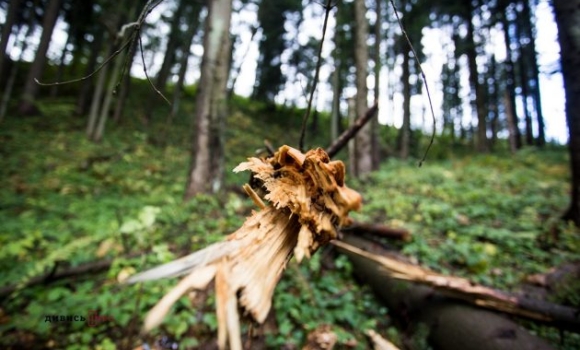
(436, 42)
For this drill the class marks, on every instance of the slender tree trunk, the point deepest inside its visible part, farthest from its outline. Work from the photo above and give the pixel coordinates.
(511, 122)
(376, 157)
(27, 106)
(183, 64)
(126, 84)
(336, 88)
(109, 92)
(567, 18)
(207, 166)
(532, 56)
(61, 65)
(98, 96)
(405, 133)
(13, 7)
(524, 84)
(510, 98)
(238, 69)
(86, 85)
(172, 45)
(364, 158)
(476, 89)
(352, 143)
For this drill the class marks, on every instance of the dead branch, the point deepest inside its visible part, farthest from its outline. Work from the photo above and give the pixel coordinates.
(55, 275)
(349, 133)
(308, 201)
(378, 230)
(460, 288)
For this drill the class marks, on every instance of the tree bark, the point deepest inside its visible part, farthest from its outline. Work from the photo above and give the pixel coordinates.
(567, 18)
(207, 166)
(405, 133)
(376, 157)
(510, 97)
(87, 85)
(27, 106)
(13, 7)
(535, 78)
(450, 324)
(476, 89)
(363, 161)
(172, 45)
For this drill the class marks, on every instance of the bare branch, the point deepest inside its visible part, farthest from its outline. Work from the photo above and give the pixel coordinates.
(328, 7)
(349, 133)
(424, 81)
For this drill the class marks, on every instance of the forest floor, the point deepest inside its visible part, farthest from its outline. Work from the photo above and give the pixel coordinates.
(66, 202)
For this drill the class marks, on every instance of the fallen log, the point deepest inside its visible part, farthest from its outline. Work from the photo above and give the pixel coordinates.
(560, 316)
(378, 230)
(451, 322)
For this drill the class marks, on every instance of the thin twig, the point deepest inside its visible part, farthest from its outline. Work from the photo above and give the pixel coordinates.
(423, 77)
(150, 6)
(147, 75)
(327, 8)
(349, 133)
(98, 69)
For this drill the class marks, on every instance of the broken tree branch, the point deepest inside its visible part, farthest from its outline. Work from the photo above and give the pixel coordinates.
(308, 201)
(349, 133)
(378, 230)
(460, 288)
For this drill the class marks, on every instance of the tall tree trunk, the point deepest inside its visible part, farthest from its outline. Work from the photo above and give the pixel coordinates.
(172, 45)
(125, 84)
(183, 64)
(405, 133)
(476, 89)
(61, 65)
(336, 88)
(567, 18)
(86, 85)
(510, 81)
(207, 166)
(524, 81)
(511, 122)
(238, 69)
(535, 78)
(13, 7)
(363, 159)
(98, 96)
(377, 71)
(7, 93)
(27, 106)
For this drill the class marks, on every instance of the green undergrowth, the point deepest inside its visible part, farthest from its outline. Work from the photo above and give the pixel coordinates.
(66, 202)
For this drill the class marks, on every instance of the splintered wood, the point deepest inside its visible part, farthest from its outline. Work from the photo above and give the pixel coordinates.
(308, 200)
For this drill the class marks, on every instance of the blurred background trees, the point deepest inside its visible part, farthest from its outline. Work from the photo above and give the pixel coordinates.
(488, 88)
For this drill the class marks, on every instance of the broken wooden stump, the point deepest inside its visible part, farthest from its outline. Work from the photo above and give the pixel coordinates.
(308, 201)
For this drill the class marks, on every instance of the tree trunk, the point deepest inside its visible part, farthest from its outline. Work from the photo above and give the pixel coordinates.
(476, 89)
(405, 133)
(207, 166)
(364, 157)
(61, 65)
(185, 54)
(524, 82)
(172, 45)
(376, 157)
(510, 98)
(13, 7)
(126, 84)
(86, 85)
(449, 324)
(567, 18)
(98, 96)
(27, 106)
